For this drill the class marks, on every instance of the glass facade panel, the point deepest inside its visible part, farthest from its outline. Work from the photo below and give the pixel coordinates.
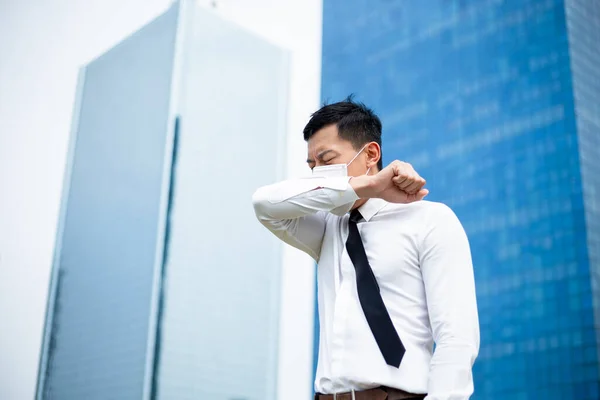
(583, 22)
(479, 97)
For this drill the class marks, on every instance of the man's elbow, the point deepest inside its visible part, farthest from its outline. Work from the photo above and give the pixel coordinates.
(459, 346)
(260, 203)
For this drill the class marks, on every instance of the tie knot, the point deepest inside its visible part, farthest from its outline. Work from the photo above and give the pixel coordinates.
(355, 216)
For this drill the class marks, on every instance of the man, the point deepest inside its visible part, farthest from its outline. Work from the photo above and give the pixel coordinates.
(394, 274)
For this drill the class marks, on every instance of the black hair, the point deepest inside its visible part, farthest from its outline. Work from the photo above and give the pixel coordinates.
(356, 123)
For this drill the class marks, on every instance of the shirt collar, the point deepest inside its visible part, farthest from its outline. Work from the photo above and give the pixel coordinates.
(371, 207)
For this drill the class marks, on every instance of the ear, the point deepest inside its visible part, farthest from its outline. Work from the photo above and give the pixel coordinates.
(373, 152)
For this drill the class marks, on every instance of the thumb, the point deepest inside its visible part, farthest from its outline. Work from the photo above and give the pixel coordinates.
(422, 193)
(412, 198)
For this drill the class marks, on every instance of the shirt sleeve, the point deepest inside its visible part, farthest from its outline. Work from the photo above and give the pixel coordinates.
(447, 270)
(296, 210)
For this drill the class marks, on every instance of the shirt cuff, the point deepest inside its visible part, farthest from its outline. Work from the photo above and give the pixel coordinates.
(342, 196)
(342, 191)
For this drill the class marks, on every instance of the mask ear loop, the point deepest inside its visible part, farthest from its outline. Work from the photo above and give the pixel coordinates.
(360, 151)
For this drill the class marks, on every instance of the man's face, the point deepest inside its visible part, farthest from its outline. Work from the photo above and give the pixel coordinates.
(325, 147)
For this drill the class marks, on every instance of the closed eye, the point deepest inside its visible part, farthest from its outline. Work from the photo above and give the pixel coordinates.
(320, 157)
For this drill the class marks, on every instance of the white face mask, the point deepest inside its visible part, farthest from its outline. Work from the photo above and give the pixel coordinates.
(335, 171)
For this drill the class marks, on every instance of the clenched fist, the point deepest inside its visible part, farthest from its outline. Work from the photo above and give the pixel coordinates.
(396, 183)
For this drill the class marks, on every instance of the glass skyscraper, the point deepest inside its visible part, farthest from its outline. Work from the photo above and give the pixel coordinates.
(497, 104)
(163, 284)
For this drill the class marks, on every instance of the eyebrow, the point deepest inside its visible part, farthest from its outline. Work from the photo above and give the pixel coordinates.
(321, 155)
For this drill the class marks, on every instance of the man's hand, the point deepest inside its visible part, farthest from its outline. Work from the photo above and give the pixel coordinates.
(396, 183)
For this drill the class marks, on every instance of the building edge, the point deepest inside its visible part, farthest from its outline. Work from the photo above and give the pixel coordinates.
(55, 268)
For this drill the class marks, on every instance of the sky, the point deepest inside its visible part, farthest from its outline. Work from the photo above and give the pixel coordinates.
(42, 46)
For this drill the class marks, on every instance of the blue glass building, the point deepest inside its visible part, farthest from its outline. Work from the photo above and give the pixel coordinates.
(497, 104)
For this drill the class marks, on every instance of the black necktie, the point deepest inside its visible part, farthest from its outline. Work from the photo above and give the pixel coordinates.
(378, 318)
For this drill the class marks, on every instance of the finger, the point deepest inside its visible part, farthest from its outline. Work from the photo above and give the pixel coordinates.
(399, 180)
(396, 167)
(409, 181)
(401, 169)
(417, 185)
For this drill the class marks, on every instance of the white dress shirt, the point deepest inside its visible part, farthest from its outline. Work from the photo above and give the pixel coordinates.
(420, 256)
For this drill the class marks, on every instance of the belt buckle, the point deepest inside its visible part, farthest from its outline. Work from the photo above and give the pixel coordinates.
(353, 392)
